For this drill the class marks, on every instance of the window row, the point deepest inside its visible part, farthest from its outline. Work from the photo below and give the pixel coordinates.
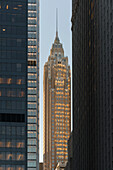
(32, 119)
(13, 80)
(32, 83)
(9, 42)
(31, 29)
(32, 50)
(17, 19)
(12, 67)
(8, 130)
(15, 30)
(31, 14)
(13, 55)
(12, 167)
(12, 5)
(31, 63)
(8, 92)
(12, 105)
(31, 42)
(32, 98)
(12, 143)
(12, 156)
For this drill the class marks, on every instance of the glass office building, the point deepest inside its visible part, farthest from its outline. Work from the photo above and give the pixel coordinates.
(13, 84)
(33, 86)
(19, 84)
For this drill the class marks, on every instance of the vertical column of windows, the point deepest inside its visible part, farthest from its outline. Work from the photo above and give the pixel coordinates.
(32, 86)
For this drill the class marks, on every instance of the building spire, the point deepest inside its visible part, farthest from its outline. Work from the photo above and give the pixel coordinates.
(56, 22)
(57, 39)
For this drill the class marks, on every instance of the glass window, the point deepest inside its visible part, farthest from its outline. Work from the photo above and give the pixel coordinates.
(31, 14)
(18, 67)
(20, 144)
(32, 83)
(32, 7)
(31, 141)
(32, 76)
(32, 119)
(31, 98)
(32, 149)
(10, 167)
(32, 112)
(31, 134)
(31, 163)
(32, 69)
(31, 156)
(20, 156)
(31, 127)
(8, 144)
(18, 167)
(31, 90)
(10, 156)
(32, 105)
(2, 167)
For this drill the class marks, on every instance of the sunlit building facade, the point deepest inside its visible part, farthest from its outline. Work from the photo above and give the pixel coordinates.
(33, 86)
(56, 107)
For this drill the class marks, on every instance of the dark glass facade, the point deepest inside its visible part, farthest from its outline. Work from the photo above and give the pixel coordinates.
(13, 84)
(92, 28)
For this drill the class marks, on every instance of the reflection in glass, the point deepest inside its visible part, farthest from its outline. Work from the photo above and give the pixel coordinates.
(20, 144)
(9, 167)
(10, 156)
(8, 144)
(20, 156)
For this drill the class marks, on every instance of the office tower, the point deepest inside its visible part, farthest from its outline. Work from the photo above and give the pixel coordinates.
(19, 93)
(33, 86)
(92, 24)
(56, 106)
(13, 84)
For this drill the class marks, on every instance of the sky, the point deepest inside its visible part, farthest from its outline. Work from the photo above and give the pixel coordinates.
(47, 36)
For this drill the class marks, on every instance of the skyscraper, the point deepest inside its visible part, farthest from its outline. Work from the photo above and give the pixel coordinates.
(56, 106)
(19, 92)
(92, 24)
(13, 84)
(33, 86)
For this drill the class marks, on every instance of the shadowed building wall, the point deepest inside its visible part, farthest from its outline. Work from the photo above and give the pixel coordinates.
(92, 24)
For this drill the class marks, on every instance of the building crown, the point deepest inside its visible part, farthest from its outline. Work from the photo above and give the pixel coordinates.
(57, 48)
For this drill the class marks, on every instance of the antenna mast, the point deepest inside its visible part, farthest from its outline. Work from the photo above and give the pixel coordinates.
(57, 22)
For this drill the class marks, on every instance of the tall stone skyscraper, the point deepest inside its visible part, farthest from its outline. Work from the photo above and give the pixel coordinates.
(56, 106)
(19, 82)
(92, 28)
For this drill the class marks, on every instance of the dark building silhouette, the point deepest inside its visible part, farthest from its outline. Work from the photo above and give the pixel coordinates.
(69, 165)
(92, 29)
